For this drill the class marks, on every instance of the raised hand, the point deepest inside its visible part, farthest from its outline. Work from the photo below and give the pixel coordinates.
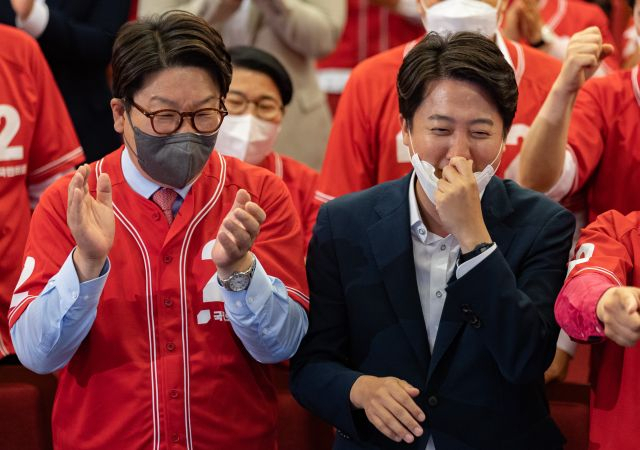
(22, 8)
(619, 310)
(236, 235)
(584, 55)
(91, 222)
(389, 406)
(458, 204)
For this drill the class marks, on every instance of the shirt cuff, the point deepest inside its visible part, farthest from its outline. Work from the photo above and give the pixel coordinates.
(37, 21)
(76, 297)
(467, 266)
(575, 308)
(565, 344)
(253, 299)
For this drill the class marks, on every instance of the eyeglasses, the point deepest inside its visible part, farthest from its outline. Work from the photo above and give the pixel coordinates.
(168, 121)
(266, 108)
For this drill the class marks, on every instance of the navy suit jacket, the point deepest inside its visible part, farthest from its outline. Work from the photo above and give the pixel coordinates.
(77, 44)
(483, 387)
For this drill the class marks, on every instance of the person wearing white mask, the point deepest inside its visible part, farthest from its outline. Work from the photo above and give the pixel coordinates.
(432, 296)
(259, 92)
(366, 146)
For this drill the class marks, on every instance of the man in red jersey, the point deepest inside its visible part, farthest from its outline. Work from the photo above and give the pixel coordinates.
(599, 303)
(549, 24)
(365, 146)
(138, 281)
(37, 145)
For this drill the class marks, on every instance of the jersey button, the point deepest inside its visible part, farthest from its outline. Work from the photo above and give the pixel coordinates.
(173, 393)
(171, 346)
(156, 216)
(167, 259)
(175, 437)
(168, 302)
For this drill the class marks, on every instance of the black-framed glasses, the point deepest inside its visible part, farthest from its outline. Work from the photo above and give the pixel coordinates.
(267, 108)
(168, 121)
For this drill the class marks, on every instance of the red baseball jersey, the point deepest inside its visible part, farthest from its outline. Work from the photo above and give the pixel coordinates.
(611, 247)
(604, 136)
(161, 366)
(567, 17)
(365, 145)
(37, 142)
(302, 181)
(368, 31)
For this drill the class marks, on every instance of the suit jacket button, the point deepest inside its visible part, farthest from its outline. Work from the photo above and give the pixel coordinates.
(475, 322)
(432, 401)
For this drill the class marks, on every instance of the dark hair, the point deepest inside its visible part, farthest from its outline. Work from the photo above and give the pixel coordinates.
(461, 56)
(173, 39)
(255, 59)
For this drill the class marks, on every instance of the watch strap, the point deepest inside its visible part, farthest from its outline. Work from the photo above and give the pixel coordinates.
(477, 250)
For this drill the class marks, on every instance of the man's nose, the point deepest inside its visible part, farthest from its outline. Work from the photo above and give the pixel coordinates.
(459, 146)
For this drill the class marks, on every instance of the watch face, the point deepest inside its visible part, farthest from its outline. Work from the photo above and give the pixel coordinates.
(239, 282)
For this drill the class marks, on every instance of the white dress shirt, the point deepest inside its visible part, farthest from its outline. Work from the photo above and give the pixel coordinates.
(435, 259)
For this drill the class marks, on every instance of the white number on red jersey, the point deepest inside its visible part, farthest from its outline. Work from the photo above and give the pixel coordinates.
(11, 119)
(584, 254)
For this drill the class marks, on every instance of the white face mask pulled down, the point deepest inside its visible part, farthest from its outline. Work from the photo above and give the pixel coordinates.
(426, 173)
(454, 16)
(247, 137)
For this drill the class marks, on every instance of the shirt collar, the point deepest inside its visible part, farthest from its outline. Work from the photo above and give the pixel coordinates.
(139, 183)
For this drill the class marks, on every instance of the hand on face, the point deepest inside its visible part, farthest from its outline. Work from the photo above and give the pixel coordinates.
(389, 406)
(236, 235)
(619, 310)
(584, 54)
(22, 8)
(458, 204)
(91, 222)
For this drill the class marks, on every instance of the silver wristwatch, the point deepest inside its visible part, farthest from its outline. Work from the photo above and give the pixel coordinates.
(238, 281)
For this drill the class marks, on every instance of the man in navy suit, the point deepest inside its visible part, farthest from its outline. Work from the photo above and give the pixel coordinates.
(431, 320)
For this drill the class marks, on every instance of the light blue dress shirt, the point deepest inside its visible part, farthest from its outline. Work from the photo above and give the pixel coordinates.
(268, 322)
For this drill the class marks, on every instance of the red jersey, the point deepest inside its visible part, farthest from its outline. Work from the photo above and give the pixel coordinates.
(368, 31)
(604, 136)
(610, 247)
(567, 17)
(161, 366)
(37, 143)
(302, 181)
(365, 145)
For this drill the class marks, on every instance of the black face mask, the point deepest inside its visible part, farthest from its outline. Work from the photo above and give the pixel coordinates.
(173, 160)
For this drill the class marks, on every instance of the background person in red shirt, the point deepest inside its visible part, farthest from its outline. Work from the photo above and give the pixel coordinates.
(259, 93)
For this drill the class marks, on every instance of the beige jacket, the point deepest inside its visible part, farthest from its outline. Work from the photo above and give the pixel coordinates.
(297, 32)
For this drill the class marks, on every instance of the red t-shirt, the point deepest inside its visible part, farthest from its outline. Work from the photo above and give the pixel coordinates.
(567, 17)
(610, 247)
(370, 30)
(302, 181)
(604, 136)
(161, 366)
(365, 145)
(37, 142)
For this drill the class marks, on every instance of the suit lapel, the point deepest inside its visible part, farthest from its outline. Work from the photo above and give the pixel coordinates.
(392, 248)
(495, 207)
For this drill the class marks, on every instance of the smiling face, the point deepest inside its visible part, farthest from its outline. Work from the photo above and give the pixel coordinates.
(178, 88)
(456, 118)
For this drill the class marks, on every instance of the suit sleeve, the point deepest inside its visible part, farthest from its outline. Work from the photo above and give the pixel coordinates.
(321, 380)
(350, 162)
(512, 311)
(84, 41)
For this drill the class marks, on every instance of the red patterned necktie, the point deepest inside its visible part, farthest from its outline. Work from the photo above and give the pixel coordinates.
(165, 198)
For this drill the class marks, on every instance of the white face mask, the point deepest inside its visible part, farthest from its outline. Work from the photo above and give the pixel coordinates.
(247, 137)
(454, 16)
(426, 173)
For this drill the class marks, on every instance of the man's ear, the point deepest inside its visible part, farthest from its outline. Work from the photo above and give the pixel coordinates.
(404, 127)
(117, 109)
